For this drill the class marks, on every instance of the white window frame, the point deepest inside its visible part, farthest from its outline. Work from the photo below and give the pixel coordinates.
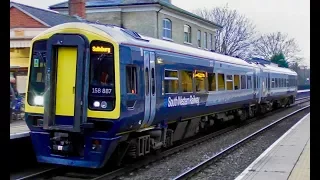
(199, 38)
(166, 29)
(188, 33)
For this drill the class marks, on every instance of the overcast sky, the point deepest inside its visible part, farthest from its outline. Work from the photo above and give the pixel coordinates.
(287, 16)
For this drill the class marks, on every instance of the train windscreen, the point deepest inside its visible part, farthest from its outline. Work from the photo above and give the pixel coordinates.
(37, 73)
(102, 80)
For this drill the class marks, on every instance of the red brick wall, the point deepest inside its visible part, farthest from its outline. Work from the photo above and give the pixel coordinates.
(20, 19)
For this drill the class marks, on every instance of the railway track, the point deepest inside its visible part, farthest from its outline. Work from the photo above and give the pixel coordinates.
(194, 170)
(73, 173)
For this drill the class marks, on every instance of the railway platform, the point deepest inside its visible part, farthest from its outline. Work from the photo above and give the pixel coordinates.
(287, 158)
(18, 129)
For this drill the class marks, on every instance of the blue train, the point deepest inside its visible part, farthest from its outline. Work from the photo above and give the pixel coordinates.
(99, 93)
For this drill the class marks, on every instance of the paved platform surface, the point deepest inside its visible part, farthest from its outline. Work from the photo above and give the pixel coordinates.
(287, 158)
(18, 129)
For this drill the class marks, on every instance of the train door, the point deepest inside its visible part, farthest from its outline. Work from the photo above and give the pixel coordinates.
(64, 101)
(150, 88)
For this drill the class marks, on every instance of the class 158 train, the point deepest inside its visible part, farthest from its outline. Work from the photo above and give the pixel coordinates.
(100, 93)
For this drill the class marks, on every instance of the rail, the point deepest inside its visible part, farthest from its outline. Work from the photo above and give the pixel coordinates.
(203, 164)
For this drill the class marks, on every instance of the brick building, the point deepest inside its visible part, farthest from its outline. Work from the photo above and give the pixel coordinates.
(25, 23)
(155, 18)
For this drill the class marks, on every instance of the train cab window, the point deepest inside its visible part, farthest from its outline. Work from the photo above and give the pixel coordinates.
(200, 81)
(249, 82)
(221, 83)
(171, 81)
(212, 86)
(243, 82)
(102, 82)
(229, 80)
(36, 86)
(131, 78)
(236, 82)
(187, 81)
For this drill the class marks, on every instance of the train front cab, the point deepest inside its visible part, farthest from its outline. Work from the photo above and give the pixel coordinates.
(68, 91)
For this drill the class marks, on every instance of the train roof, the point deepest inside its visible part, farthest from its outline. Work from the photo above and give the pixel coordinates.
(128, 37)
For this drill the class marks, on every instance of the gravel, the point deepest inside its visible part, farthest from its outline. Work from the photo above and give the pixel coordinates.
(177, 163)
(230, 166)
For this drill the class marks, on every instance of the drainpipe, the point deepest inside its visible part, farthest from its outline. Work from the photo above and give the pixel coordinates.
(158, 21)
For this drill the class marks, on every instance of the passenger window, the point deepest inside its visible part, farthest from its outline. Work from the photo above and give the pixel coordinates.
(249, 82)
(277, 83)
(229, 80)
(272, 83)
(236, 82)
(153, 86)
(243, 82)
(200, 81)
(254, 82)
(171, 81)
(132, 84)
(147, 81)
(221, 84)
(186, 81)
(212, 81)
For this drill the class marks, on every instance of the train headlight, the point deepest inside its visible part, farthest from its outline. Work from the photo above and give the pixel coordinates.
(104, 104)
(38, 100)
(96, 104)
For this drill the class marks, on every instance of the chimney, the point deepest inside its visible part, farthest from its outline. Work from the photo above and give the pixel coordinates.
(77, 7)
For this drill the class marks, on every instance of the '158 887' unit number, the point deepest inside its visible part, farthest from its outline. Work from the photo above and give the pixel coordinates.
(101, 91)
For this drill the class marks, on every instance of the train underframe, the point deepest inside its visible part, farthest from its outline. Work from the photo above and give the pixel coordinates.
(139, 144)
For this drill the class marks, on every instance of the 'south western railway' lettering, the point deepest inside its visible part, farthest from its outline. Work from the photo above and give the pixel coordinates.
(182, 101)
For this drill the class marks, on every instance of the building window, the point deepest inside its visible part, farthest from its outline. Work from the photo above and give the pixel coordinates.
(200, 81)
(171, 81)
(210, 42)
(187, 33)
(131, 79)
(205, 38)
(212, 81)
(167, 29)
(187, 81)
(199, 38)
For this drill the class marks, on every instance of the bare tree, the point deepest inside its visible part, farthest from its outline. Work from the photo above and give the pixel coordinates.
(237, 35)
(275, 43)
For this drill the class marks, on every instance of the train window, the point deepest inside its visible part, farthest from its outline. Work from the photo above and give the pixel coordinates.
(254, 81)
(131, 74)
(200, 81)
(272, 83)
(221, 83)
(229, 80)
(37, 71)
(187, 81)
(153, 85)
(249, 82)
(212, 81)
(243, 82)
(146, 76)
(277, 83)
(236, 82)
(171, 81)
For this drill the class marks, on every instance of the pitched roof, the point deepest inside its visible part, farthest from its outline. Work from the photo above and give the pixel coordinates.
(110, 3)
(46, 17)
